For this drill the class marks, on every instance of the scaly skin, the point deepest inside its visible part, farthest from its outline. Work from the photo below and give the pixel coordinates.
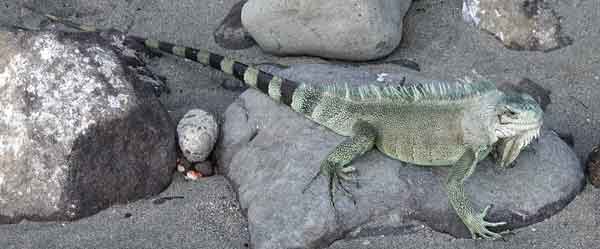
(428, 124)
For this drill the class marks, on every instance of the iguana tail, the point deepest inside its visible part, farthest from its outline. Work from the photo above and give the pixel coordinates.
(278, 88)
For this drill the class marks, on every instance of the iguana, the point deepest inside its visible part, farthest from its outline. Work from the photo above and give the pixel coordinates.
(435, 123)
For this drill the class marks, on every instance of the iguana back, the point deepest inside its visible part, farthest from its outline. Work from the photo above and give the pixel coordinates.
(428, 123)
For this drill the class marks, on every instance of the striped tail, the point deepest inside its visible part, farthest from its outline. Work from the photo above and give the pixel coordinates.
(278, 88)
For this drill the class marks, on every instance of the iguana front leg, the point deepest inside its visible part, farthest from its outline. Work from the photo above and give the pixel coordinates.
(459, 172)
(336, 167)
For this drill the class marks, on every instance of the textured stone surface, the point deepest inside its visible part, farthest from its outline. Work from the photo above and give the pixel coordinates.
(231, 33)
(519, 24)
(350, 30)
(78, 129)
(206, 168)
(198, 132)
(270, 153)
(593, 166)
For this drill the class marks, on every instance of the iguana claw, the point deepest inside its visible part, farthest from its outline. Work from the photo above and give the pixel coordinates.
(336, 175)
(478, 226)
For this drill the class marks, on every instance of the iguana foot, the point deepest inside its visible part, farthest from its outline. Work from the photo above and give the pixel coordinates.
(336, 175)
(478, 226)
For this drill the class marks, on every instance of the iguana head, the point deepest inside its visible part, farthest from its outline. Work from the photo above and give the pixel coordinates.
(519, 122)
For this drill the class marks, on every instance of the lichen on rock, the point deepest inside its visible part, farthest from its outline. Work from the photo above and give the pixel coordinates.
(518, 24)
(78, 128)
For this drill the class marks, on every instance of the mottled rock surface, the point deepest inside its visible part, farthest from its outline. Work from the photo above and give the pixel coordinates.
(197, 132)
(593, 166)
(231, 33)
(519, 24)
(270, 153)
(79, 130)
(349, 30)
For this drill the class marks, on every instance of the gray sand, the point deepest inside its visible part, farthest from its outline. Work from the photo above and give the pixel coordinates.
(435, 37)
(201, 214)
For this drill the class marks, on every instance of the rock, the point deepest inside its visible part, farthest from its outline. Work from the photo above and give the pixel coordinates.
(231, 33)
(271, 153)
(405, 63)
(233, 85)
(535, 90)
(519, 24)
(80, 130)
(206, 168)
(320, 73)
(198, 133)
(593, 166)
(348, 30)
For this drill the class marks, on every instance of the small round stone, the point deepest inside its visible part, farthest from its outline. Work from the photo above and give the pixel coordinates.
(180, 168)
(198, 133)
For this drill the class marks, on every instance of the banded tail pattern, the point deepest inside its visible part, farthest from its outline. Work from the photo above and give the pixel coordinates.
(280, 89)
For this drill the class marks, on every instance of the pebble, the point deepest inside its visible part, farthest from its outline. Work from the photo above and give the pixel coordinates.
(198, 131)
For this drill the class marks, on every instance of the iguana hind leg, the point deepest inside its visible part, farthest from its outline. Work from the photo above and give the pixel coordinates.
(336, 166)
(459, 172)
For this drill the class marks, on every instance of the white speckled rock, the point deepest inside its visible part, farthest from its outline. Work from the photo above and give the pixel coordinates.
(338, 29)
(519, 24)
(198, 131)
(79, 130)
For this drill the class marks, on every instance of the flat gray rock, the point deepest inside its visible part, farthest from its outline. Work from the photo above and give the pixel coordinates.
(79, 128)
(270, 153)
(338, 29)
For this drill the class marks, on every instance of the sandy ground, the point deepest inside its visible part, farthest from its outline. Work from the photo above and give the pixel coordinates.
(201, 214)
(435, 37)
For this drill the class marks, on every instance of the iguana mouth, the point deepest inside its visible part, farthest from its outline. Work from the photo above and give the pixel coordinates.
(509, 147)
(510, 127)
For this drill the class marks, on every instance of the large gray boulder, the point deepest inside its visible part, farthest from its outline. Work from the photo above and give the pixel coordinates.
(79, 128)
(270, 153)
(338, 29)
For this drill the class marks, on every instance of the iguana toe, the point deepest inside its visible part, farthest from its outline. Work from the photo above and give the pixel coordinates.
(478, 226)
(336, 175)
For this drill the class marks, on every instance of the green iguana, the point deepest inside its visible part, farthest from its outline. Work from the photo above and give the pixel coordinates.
(453, 124)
